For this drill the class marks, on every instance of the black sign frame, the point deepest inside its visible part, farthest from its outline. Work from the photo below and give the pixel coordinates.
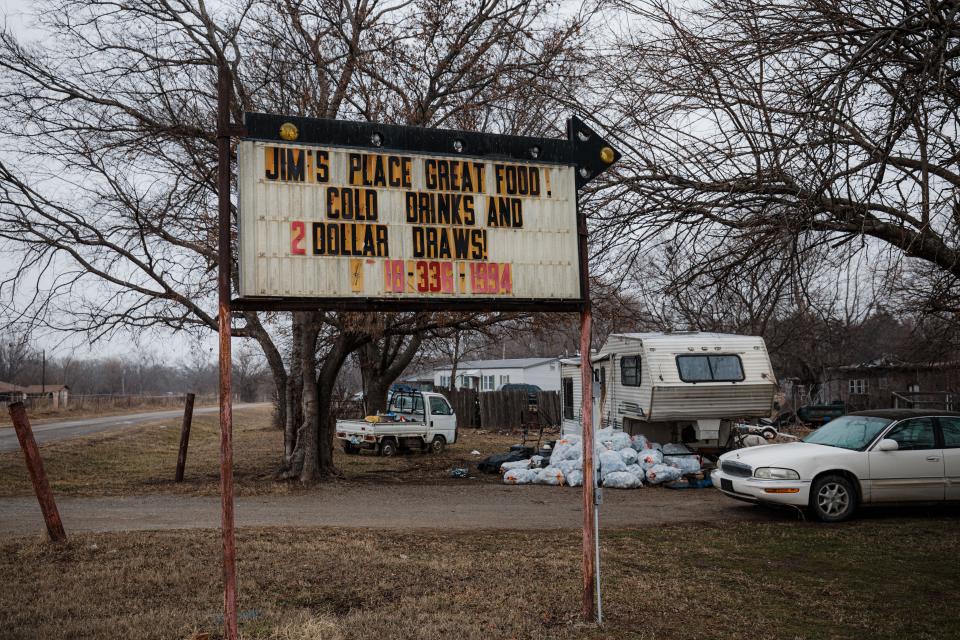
(583, 149)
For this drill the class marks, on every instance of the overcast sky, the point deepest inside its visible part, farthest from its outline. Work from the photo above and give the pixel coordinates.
(16, 15)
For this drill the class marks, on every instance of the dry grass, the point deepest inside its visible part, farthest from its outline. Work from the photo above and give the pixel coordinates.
(777, 580)
(143, 459)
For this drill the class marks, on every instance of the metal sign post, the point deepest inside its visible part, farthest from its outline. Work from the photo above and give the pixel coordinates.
(363, 216)
(224, 268)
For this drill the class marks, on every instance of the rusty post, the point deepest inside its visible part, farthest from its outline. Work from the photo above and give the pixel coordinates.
(224, 269)
(21, 424)
(590, 556)
(184, 436)
(589, 506)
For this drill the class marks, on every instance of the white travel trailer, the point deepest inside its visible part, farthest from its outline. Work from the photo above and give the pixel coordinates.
(675, 387)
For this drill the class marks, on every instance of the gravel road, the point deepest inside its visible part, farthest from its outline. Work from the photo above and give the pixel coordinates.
(394, 507)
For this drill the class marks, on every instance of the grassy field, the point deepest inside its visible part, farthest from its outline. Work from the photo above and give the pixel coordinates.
(75, 412)
(143, 459)
(892, 579)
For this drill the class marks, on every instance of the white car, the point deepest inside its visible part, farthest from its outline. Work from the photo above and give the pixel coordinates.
(869, 457)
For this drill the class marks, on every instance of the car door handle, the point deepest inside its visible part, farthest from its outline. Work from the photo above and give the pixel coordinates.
(933, 458)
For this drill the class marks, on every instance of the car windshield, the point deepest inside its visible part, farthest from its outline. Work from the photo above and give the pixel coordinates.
(848, 432)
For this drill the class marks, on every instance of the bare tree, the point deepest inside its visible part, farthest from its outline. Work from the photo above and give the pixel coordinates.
(758, 133)
(111, 199)
(16, 354)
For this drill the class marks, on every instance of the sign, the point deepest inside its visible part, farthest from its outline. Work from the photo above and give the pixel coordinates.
(400, 227)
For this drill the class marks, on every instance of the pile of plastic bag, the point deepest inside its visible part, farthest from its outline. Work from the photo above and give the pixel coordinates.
(623, 462)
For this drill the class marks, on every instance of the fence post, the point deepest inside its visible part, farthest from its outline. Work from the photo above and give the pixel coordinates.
(184, 436)
(21, 424)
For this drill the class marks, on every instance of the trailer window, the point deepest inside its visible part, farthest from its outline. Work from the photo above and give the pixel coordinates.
(566, 385)
(630, 371)
(725, 368)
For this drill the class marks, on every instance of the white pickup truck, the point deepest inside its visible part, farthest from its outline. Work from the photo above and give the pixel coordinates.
(414, 420)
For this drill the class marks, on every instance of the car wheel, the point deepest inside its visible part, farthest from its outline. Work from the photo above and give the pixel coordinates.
(438, 445)
(388, 448)
(833, 499)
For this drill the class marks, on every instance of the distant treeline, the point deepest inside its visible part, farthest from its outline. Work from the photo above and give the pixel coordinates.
(23, 365)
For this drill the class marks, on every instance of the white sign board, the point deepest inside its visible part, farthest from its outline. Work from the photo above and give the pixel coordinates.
(324, 222)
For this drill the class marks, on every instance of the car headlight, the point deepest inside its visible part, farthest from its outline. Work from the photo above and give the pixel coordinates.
(776, 473)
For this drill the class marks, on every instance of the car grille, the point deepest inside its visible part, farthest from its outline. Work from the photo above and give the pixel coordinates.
(737, 469)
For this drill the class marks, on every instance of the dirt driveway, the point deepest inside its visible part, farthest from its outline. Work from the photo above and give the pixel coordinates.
(390, 507)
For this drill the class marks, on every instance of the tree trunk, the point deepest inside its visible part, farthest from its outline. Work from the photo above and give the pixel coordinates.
(381, 363)
(294, 390)
(312, 456)
(343, 346)
(376, 399)
(308, 440)
(455, 360)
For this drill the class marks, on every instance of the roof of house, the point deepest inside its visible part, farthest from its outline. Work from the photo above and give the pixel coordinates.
(6, 387)
(889, 362)
(509, 363)
(900, 414)
(417, 376)
(45, 388)
(575, 361)
(660, 334)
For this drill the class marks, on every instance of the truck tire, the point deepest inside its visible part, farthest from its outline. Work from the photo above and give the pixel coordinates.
(388, 447)
(438, 445)
(351, 449)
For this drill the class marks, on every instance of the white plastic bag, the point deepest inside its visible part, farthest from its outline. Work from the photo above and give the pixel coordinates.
(672, 448)
(686, 464)
(621, 480)
(637, 470)
(613, 439)
(639, 442)
(629, 456)
(519, 476)
(662, 473)
(566, 448)
(515, 464)
(568, 465)
(649, 457)
(536, 461)
(574, 478)
(610, 462)
(550, 475)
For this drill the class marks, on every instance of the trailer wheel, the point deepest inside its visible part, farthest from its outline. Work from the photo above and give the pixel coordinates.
(351, 449)
(388, 447)
(438, 445)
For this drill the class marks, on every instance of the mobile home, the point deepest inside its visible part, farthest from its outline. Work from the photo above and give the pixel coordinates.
(675, 387)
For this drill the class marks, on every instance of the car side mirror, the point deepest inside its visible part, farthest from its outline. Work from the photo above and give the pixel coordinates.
(888, 445)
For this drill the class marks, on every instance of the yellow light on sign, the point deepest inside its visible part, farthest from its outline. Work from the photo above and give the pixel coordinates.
(288, 131)
(607, 155)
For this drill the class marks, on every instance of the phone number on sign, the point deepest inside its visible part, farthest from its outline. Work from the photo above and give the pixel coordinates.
(439, 276)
